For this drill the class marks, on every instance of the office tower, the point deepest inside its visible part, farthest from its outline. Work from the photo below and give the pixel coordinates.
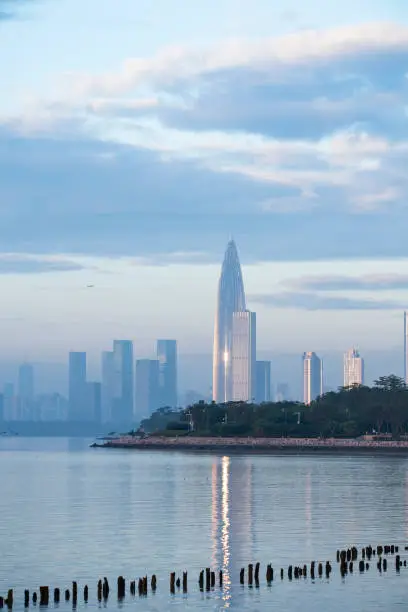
(76, 385)
(147, 387)
(243, 356)
(312, 377)
(122, 407)
(26, 382)
(2, 407)
(282, 392)
(263, 382)
(108, 385)
(231, 298)
(93, 402)
(353, 368)
(167, 357)
(406, 347)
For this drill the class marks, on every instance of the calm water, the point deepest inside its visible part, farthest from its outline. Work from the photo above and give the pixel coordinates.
(69, 512)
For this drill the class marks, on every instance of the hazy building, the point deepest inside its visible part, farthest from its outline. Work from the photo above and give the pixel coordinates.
(122, 406)
(147, 387)
(230, 299)
(108, 385)
(167, 358)
(312, 377)
(263, 381)
(353, 368)
(282, 392)
(1, 407)
(405, 348)
(94, 402)
(26, 382)
(243, 351)
(76, 385)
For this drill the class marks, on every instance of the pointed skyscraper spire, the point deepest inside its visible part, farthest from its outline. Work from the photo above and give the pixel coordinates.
(231, 298)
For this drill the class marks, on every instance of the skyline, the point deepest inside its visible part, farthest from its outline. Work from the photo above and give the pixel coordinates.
(307, 174)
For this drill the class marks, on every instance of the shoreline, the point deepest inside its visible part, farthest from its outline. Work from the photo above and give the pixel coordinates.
(257, 445)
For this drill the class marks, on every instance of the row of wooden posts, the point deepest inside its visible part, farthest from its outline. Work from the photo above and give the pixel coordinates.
(208, 578)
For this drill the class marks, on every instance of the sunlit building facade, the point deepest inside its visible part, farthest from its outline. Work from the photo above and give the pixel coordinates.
(312, 377)
(353, 368)
(243, 356)
(231, 298)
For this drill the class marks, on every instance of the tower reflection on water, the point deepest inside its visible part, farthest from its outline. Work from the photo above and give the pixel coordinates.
(231, 525)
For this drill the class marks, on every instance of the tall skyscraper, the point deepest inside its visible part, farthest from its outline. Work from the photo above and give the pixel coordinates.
(353, 368)
(231, 298)
(108, 385)
(243, 356)
(263, 382)
(167, 357)
(26, 382)
(147, 387)
(122, 408)
(77, 385)
(93, 406)
(406, 347)
(312, 377)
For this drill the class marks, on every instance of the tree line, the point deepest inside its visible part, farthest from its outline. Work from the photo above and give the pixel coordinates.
(347, 412)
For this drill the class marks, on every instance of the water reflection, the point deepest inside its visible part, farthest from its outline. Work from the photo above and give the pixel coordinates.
(225, 532)
(308, 507)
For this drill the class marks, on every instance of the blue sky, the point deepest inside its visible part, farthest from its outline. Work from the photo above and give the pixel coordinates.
(136, 137)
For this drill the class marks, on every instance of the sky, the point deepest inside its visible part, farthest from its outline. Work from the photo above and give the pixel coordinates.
(137, 137)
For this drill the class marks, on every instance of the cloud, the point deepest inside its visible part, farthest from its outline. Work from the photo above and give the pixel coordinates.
(311, 301)
(369, 282)
(17, 263)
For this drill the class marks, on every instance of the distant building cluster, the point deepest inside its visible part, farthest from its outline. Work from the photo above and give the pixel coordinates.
(130, 390)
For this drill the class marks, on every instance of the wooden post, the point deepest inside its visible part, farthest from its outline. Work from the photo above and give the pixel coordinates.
(212, 580)
(201, 580)
(178, 583)
(220, 578)
(86, 593)
(99, 590)
(34, 597)
(44, 596)
(320, 570)
(153, 583)
(384, 565)
(173, 582)
(132, 587)
(145, 585)
(1, 602)
(140, 587)
(281, 573)
(26, 598)
(57, 595)
(184, 582)
(257, 568)
(290, 570)
(242, 576)
(361, 566)
(269, 573)
(105, 588)
(121, 587)
(67, 595)
(10, 598)
(250, 574)
(207, 578)
(74, 593)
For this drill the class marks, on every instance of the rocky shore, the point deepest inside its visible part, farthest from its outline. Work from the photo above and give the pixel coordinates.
(253, 444)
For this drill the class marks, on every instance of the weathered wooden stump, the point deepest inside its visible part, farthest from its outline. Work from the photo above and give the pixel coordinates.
(153, 583)
(242, 576)
(384, 565)
(351, 567)
(290, 571)
(34, 597)
(1, 602)
(201, 580)
(320, 570)
(132, 587)
(184, 582)
(212, 579)
(86, 593)
(10, 598)
(140, 587)
(44, 596)
(26, 598)
(172, 582)
(178, 583)
(121, 587)
(99, 590)
(67, 595)
(57, 595)
(338, 556)
(269, 573)
(220, 578)
(361, 566)
(250, 574)
(207, 578)
(105, 588)
(281, 573)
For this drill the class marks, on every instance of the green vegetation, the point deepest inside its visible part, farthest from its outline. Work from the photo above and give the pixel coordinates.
(351, 412)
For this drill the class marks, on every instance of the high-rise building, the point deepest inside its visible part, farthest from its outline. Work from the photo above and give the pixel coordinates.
(353, 368)
(243, 356)
(122, 406)
(76, 385)
(26, 382)
(93, 402)
(282, 392)
(312, 377)
(108, 385)
(406, 347)
(263, 382)
(231, 298)
(2, 407)
(167, 357)
(147, 387)
(9, 402)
